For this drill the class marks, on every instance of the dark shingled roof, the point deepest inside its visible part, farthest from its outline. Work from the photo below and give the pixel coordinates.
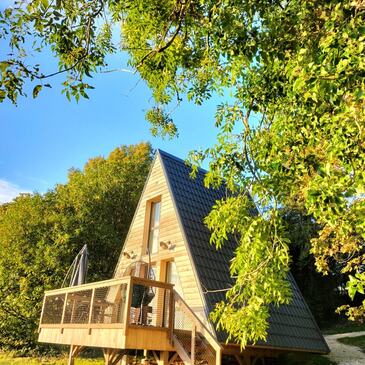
(292, 326)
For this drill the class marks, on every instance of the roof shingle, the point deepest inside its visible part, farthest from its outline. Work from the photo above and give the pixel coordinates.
(291, 326)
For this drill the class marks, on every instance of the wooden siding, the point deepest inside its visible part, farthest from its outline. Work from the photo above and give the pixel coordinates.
(157, 187)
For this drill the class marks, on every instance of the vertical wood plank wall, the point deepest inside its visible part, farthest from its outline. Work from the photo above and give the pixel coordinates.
(169, 231)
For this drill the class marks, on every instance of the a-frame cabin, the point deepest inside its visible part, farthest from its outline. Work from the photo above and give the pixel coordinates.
(166, 282)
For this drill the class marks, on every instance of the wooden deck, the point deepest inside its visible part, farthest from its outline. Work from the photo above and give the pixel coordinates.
(126, 313)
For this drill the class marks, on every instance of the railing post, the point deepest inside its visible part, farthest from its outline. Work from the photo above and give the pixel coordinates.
(128, 302)
(91, 308)
(171, 314)
(64, 308)
(193, 335)
(218, 356)
(64, 311)
(41, 319)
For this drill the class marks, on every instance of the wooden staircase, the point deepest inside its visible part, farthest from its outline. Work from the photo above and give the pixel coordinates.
(191, 339)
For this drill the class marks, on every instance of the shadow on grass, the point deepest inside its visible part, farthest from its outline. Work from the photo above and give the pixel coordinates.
(354, 341)
(304, 359)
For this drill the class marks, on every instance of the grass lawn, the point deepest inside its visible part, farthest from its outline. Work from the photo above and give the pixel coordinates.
(8, 360)
(344, 327)
(354, 341)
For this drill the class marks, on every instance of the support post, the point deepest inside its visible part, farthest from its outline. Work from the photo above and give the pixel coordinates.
(91, 309)
(164, 358)
(173, 358)
(125, 360)
(171, 318)
(193, 335)
(128, 302)
(70, 356)
(218, 356)
(74, 352)
(145, 357)
(112, 356)
(106, 353)
(64, 311)
(91, 305)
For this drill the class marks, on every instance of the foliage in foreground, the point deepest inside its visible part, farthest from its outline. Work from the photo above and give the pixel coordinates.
(41, 234)
(323, 294)
(292, 132)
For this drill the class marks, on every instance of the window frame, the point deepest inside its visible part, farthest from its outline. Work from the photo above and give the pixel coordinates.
(152, 227)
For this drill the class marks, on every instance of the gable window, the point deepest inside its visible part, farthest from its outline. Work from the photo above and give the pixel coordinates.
(154, 228)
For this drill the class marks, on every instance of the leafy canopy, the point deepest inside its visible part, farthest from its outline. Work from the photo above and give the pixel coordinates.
(40, 236)
(291, 134)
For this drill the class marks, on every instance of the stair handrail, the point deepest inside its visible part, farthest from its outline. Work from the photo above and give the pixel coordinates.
(199, 324)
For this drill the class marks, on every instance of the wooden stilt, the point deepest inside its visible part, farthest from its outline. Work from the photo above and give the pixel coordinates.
(164, 358)
(124, 360)
(74, 352)
(145, 357)
(112, 356)
(119, 357)
(156, 356)
(70, 357)
(173, 358)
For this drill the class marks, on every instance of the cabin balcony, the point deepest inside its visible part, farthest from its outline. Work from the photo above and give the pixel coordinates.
(124, 314)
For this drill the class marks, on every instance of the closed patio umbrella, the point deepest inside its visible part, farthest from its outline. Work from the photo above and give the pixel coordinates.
(79, 268)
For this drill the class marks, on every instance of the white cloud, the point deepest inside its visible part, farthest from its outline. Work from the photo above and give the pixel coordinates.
(8, 191)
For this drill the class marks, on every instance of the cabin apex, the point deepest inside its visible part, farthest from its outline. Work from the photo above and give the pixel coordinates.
(165, 285)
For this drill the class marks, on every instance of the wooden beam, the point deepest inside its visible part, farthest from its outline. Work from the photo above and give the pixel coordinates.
(113, 356)
(97, 284)
(171, 315)
(91, 306)
(182, 353)
(64, 311)
(145, 357)
(192, 353)
(125, 360)
(218, 356)
(173, 358)
(164, 358)
(70, 357)
(74, 352)
(106, 353)
(127, 309)
(117, 356)
(156, 357)
(148, 282)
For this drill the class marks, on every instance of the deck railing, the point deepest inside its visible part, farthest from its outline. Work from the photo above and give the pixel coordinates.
(110, 303)
(192, 339)
(132, 302)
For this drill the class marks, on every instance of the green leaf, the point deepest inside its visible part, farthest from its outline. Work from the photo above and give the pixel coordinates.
(36, 90)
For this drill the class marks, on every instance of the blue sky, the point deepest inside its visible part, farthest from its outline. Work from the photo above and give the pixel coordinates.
(41, 139)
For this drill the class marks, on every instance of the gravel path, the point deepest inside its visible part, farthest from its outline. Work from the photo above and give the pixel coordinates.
(345, 354)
